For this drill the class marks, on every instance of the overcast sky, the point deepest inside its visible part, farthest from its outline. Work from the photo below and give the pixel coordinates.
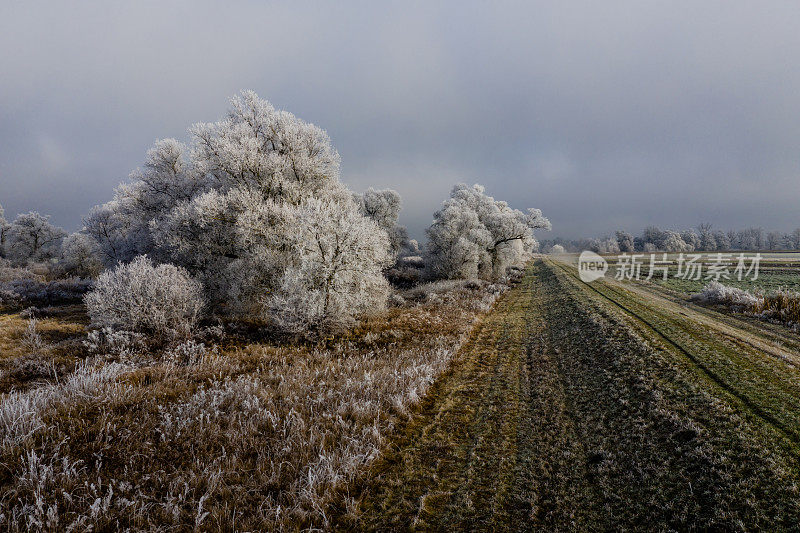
(605, 115)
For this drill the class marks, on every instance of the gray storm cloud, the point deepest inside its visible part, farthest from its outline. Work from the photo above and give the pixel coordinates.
(604, 115)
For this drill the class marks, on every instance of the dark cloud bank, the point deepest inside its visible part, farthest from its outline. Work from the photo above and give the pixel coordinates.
(605, 115)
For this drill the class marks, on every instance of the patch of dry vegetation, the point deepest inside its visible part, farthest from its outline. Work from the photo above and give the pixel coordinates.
(37, 346)
(255, 437)
(779, 305)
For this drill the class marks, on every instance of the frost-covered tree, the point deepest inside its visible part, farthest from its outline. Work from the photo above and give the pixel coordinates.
(610, 245)
(691, 239)
(674, 243)
(337, 274)
(722, 240)
(751, 239)
(474, 235)
(733, 239)
(458, 245)
(226, 207)
(162, 301)
(607, 245)
(707, 240)
(384, 208)
(774, 240)
(590, 244)
(653, 236)
(557, 249)
(123, 226)
(31, 237)
(262, 150)
(625, 241)
(80, 256)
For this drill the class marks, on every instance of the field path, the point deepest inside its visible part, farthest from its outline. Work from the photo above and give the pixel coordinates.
(594, 407)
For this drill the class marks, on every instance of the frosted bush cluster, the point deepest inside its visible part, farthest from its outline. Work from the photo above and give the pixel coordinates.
(29, 289)
(717, 293)
(161, 301)
(783, 305)
(80, 256)
(780, 305)
(121, 344)
(173, 438)
(254, 209)
(190, 353)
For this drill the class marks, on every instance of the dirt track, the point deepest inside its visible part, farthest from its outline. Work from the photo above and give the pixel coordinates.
(595, 407)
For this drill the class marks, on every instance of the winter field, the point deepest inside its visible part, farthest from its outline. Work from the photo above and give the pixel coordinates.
(236, 341)
(543, 401)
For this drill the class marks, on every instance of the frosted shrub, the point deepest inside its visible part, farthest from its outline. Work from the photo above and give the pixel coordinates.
(162, 300)
(557, 249)
(190, 353)
(395, 300)
(781, 305)
(33, 291)
(717, 293)
(31, 339)
(9, 273)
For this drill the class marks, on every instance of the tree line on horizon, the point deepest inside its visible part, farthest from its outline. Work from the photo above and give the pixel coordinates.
(705, 239)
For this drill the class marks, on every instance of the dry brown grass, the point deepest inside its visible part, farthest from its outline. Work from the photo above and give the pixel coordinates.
(62, 337)
(255, 436)
(784, 306)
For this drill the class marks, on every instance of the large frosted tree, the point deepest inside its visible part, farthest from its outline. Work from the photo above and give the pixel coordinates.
(474, 235)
